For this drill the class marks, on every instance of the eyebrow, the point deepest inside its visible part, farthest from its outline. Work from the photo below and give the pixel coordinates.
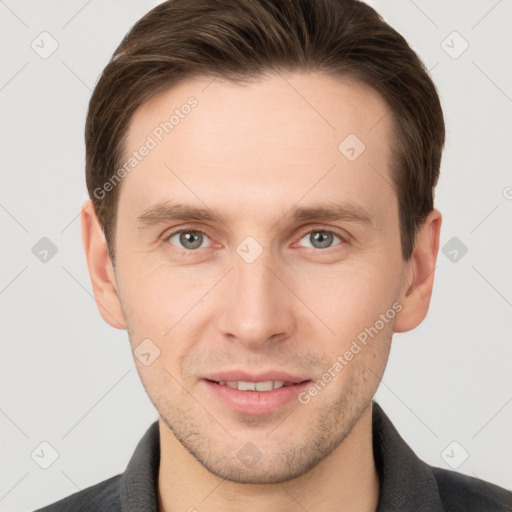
(166, 211)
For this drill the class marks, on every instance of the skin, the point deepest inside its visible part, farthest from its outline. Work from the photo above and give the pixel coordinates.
(255, 151)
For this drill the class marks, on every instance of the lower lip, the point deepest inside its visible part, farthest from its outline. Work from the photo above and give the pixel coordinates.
(256, 402)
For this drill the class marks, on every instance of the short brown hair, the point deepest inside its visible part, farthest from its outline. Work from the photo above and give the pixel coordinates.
(242, 39)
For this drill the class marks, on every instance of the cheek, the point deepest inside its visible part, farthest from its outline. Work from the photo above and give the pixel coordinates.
(161, 296)
(164, 305)
(348, 297)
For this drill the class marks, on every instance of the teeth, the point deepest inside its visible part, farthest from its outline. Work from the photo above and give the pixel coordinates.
(245, 386)
(267, 385)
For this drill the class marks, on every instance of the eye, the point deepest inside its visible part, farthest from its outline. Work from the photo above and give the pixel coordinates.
(189, 239)
(321, 238)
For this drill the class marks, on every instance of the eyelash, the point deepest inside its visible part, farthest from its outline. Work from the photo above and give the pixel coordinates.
(197, 230)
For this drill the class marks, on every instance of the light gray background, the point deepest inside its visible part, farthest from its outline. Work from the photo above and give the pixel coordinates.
(69, 379)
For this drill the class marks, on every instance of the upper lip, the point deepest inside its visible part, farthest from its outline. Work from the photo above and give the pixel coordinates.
(245, 376)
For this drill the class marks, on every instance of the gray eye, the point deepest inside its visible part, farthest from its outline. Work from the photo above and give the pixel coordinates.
(320, 239)
(188, 239)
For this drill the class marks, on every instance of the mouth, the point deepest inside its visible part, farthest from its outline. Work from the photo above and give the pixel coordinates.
(264, 386)
(255, 395)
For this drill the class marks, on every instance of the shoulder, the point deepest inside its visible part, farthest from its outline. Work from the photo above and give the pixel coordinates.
(101, 497)
(460, 492)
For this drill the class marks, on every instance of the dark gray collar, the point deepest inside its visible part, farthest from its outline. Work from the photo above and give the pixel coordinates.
(406, 482)
(138, 485)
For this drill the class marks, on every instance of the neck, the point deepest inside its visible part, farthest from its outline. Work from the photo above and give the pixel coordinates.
(346, 480)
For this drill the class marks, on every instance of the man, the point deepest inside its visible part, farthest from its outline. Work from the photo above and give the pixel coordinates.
(261, 222)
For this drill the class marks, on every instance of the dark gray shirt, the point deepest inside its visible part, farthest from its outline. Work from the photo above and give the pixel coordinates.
(407, 484)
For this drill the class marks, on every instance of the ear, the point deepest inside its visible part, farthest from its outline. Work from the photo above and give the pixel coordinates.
(100, 268)
(419, 275)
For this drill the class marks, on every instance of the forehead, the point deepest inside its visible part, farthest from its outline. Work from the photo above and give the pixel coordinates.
(279, 140)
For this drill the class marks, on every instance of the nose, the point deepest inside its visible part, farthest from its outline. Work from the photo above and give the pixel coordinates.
(257, 306)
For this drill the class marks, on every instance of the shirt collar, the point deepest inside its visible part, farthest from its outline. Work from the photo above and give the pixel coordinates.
(138, 486)
(406, 482)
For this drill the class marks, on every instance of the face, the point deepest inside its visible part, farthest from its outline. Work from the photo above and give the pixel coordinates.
(267, 286)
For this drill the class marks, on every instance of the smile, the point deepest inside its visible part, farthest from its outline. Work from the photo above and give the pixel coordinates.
(267, 385)
(254, 397)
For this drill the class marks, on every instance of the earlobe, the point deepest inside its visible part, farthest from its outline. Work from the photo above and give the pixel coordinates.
(419, 281)
(100, 268)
